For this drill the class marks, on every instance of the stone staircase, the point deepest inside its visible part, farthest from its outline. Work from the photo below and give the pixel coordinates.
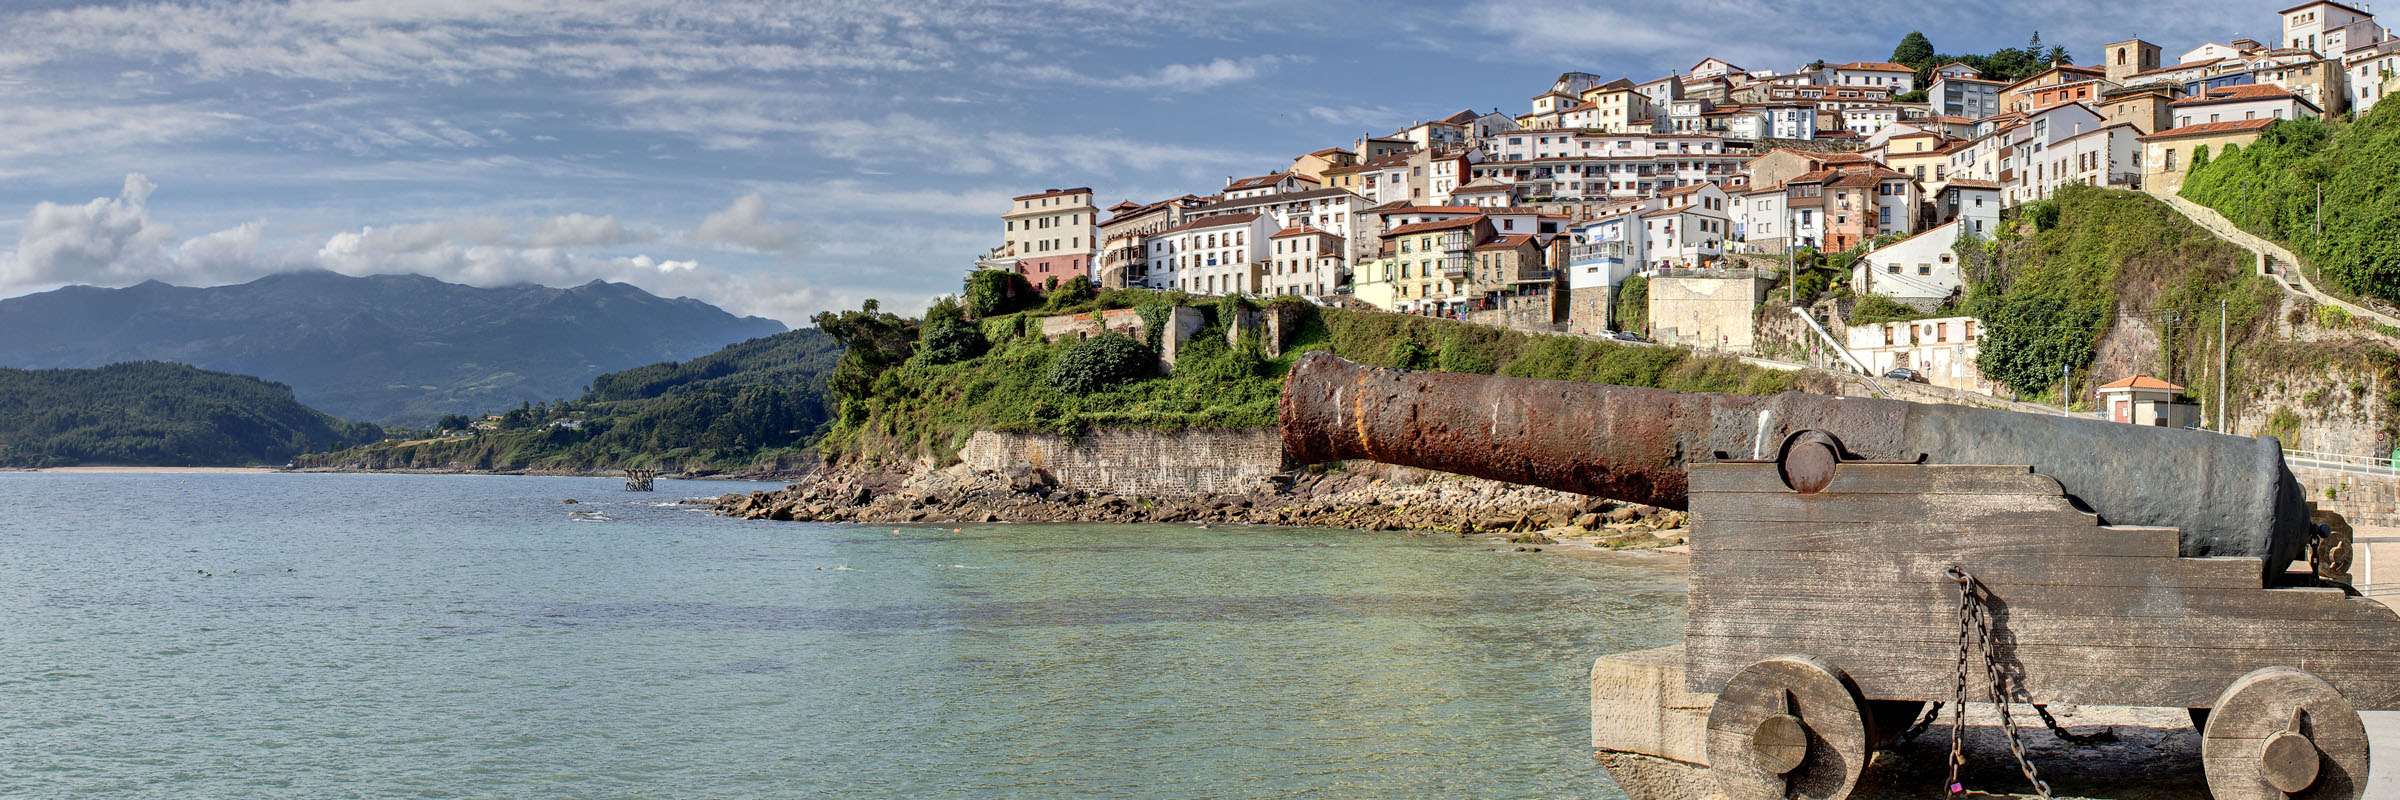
(2273, 260)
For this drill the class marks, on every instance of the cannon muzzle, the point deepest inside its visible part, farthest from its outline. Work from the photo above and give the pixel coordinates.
(2228, 495)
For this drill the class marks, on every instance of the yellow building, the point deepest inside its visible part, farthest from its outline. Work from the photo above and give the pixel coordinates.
(2167, 154)
(1371, 282)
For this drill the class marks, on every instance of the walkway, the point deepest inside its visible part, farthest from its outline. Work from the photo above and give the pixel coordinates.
(2273, 260)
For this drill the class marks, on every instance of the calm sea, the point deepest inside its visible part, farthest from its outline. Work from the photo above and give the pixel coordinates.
(270, 635)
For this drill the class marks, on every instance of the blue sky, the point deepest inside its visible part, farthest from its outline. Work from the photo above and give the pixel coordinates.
(785, 158)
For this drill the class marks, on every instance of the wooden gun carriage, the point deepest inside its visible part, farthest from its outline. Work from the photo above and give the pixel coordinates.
(1825, 607)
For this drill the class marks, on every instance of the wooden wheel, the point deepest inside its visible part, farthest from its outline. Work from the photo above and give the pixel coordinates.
(1788, 727)
(2279, 733)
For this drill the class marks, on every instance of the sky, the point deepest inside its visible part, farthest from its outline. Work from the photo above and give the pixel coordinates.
(785, 158)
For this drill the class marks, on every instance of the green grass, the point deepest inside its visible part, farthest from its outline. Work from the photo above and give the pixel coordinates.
(918, 410)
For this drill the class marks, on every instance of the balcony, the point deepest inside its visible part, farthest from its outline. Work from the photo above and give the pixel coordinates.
(1598, 251)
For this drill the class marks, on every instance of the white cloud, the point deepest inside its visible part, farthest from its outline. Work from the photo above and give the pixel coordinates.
(746, 226)
(110, 240)
(1172, 78)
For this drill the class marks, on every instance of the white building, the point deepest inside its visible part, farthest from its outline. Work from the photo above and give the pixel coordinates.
(1883, 74)
(2371, 71)
(2328, 29)
(2238, 103)
(1222, 254)
(2109, 156)
(1602, 252)
(1761, 222)
(1866, 120)
(1304, 261)
(1689, 228)
(1919, 271)
(1942, 349)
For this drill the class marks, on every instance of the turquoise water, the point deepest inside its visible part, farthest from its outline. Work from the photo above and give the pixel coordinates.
(271, 635)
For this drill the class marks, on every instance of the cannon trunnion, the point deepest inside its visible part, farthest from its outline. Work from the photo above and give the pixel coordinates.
(1812, 577)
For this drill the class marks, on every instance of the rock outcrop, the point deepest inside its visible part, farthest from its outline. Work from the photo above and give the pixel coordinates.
(1368, 497)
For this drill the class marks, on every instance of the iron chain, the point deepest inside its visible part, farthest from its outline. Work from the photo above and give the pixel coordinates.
(1975, 623)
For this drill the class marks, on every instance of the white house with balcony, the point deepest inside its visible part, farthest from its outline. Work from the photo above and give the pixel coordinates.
(1690, 228)
(1602, 252)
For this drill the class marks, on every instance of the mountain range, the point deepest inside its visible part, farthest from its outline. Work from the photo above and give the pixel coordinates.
(393, 349)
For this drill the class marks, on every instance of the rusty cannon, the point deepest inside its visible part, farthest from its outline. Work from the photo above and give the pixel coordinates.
(1856, 562)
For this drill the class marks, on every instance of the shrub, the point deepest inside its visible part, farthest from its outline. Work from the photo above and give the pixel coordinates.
(992, 292)
(1074, 291)
(951, 342)
(1098, 363)
(1407, 354)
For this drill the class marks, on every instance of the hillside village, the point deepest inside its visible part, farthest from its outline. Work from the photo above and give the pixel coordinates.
(1669, 209)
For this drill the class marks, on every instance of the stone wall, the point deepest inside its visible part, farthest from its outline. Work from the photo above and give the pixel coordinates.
(1136, 463)
(2363, 498)
(1588, 309)
(1707, 313)
(1182, 323)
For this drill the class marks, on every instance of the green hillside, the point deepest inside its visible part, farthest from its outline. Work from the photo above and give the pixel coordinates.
(2271, 188)
(158, 414)
(761, 400)
(912, 389)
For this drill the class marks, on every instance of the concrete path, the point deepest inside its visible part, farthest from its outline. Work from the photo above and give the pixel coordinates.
(2296, 281)
(2383, 753)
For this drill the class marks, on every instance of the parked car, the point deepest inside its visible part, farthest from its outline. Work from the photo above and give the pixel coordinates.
(1906, 374)
(1626, 336)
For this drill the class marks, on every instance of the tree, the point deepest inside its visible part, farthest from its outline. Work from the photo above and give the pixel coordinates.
(1914, 51)
(2058, 55)
(454, 422)
(2034, 45)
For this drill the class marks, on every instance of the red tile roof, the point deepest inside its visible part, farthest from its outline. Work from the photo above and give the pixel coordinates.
(2237, 94)
(1436, 225)
(1505, 241)
(1330, 151)
(1876, 66)
(2141, 381)
(1971, 183)
(1304, 230)
(1432, 210)
(1051, 193)
(2212, 129)
(1210, 222)
(1268, 179)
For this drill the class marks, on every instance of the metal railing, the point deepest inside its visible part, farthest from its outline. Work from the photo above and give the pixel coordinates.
(2342, 462)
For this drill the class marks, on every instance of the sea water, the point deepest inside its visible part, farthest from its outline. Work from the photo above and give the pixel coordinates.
(312, 635)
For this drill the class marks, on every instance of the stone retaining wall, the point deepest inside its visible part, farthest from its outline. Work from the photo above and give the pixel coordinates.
(1137, 463)
(2363, 499)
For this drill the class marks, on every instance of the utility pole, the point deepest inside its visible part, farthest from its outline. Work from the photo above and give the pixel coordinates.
(2320, 212)
(2066, 391)
(2224, 366)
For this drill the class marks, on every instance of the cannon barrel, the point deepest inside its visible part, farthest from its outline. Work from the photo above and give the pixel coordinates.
(2228, 495)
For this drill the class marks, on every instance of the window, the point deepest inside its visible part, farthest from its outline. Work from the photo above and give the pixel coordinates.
(1924, 269)
(1893, 268)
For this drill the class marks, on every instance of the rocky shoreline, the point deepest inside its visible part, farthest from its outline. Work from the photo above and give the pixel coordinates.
(1355, 496)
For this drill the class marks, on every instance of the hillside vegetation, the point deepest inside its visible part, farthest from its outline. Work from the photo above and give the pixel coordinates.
(158, 414)
(2271, 189)
(763, 400)
(2080, 264)
(913, 391)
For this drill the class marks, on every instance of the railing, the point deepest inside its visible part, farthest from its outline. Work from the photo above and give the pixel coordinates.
(1708, 272)
(2341, 462)
(1603, 251)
